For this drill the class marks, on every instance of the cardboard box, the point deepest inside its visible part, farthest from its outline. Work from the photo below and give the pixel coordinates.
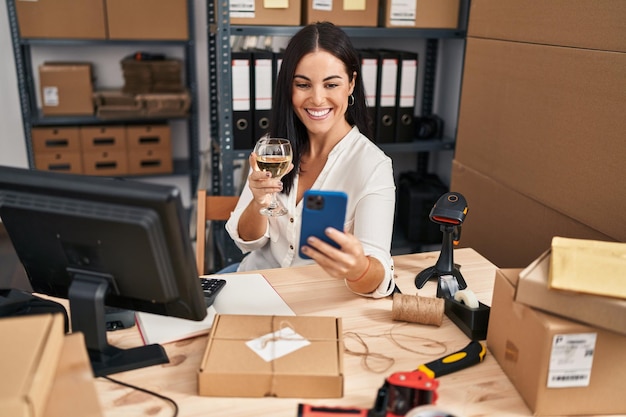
(588, 266)
(107, 163)
(55, 139)
(99, 138)
(148, 136)
(532, 118)
(603, 312)
(278, 13)
(69, 162)
(342, 12)
(559, 367)
(66, 89)
(230, 368)
(509, 228)
(150, 161)
(65, 19)
(440, 14)
(29, 352)
(73, 380)
(147, 19)
(577, 23)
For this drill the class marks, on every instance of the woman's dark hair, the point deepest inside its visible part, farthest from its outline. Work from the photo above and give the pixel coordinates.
(283, 120)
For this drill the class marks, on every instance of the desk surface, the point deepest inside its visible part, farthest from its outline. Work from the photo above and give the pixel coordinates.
(482, 390)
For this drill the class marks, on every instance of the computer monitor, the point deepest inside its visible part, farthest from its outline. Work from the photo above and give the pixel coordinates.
(99, 241)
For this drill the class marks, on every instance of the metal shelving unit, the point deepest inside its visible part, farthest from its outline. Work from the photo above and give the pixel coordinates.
(32, 116)
(224, 156)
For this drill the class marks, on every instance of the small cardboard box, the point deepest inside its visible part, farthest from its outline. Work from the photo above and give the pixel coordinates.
(286, 12)
(150, 161)
(342, 12)
(147, 19)
(588, 266)
(440, 14)
(53, 139)
(63, 161)
(148, 136)
(99, 138)
(65, 19)
(559, 367)
(73, 379)
(231, 368)
(107, 163)
(607, 313)
(29, 352)
(66, 89)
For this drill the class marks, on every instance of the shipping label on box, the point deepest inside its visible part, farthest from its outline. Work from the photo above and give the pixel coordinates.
(279, 356)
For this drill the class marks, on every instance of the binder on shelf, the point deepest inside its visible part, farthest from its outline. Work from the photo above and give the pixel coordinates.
(263, 70)
(386, 96)
(405, 96)
(241, 81)
(369, 75)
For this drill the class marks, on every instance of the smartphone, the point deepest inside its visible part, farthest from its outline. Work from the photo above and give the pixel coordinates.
(322, 209)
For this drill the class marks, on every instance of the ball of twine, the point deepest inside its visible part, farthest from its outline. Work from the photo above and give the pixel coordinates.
(416, 309)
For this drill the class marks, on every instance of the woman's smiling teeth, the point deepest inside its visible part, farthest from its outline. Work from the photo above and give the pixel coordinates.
(318, 113)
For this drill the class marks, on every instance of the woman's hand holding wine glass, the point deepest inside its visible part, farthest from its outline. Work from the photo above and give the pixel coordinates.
(273, 155)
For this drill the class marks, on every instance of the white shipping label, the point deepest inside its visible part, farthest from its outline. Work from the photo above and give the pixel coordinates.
(242, 9)
(51, 96)
(324, 5)
(571, 360)
(275, 345)
(402, 12)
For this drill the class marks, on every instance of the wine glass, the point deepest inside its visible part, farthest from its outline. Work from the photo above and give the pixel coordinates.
(273, 155)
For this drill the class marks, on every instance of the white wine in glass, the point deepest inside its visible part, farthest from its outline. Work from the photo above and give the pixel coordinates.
(273, 155)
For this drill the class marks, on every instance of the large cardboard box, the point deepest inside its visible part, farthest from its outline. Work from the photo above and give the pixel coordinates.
(590, 24)
(102, 138)
(342, 12)
(286, 12)
(65, 19)
(147, 19)
(55, 139)
(439, 14)
(548, 122)
(73, 392)
(304, 357)
(507, 227)
(603, 312)
(29, 352)
(559, 367)
(66, 89)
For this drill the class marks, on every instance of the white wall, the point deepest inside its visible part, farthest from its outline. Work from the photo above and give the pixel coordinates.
(12, 148)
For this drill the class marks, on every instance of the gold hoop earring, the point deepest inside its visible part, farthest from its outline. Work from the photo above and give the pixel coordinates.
(350, 100)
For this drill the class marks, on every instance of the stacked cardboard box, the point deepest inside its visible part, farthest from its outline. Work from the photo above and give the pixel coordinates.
(540, 144)
(66, 88)
(164, 76)
(57, 149)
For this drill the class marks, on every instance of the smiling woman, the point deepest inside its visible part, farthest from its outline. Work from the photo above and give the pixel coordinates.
(319, 106)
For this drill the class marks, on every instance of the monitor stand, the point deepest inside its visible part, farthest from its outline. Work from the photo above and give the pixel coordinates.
(87, 310)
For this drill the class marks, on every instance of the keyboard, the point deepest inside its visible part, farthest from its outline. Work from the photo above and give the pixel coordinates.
(211, 287)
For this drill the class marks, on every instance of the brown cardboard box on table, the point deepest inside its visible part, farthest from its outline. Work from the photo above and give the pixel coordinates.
(230, 368)
(558, 366)
(29, 353)
(73, 392)
(65, 19)
(66, 88)
(147, 19)
(439, 14)
(285, 12)
(342, 12)
(532, 289)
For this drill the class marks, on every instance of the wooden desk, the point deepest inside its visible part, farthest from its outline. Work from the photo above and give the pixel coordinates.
(482, 390)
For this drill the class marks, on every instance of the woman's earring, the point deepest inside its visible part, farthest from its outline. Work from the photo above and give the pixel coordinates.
(350, 100)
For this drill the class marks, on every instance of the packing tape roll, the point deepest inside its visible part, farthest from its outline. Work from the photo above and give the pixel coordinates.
(467, 297)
